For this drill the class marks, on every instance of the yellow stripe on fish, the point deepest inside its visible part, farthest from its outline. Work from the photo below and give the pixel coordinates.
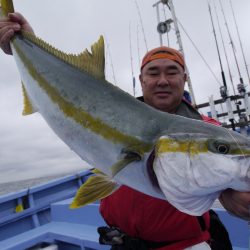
(170, 145)
(79, 115)
(173, 145)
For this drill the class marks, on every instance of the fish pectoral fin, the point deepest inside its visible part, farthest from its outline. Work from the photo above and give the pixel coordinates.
(98, 172)
(28, 108)
(96, 187)
(129, 156)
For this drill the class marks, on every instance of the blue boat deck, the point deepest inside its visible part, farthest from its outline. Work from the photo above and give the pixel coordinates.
(40, 216)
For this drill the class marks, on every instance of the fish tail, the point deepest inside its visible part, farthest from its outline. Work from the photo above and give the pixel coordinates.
(6, 7)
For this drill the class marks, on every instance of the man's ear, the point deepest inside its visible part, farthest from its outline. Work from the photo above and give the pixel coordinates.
(185, 77)
(141, 79)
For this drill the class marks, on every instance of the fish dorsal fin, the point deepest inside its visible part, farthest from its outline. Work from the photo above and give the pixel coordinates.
(28, 108)
(6, 7)
(92, 63)
(96, 187)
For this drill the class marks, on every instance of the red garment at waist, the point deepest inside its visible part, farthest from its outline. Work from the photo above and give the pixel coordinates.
(151, 219)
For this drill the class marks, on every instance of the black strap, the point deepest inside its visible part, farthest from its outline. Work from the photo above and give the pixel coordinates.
(219, 236)
(119, 241)
(202, 223)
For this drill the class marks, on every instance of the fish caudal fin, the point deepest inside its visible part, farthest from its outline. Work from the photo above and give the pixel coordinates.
(96, 187)
(28, 108)
(6, 7)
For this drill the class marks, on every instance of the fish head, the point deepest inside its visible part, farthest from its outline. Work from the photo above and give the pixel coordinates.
(201, 163)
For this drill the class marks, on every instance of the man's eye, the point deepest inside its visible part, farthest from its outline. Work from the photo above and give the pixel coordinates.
(172, 73)
(153, 73)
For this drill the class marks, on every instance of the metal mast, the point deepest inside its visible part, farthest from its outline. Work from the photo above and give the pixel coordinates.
(164, 27)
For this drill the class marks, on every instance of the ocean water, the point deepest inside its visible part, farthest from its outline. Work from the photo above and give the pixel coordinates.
(10, 187)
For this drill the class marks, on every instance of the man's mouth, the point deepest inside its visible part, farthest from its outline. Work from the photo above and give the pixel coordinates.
(162, 93)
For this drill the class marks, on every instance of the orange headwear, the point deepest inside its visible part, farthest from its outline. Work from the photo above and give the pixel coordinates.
(163, 52)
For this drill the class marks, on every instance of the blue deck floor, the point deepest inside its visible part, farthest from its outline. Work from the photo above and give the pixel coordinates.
(47, 219)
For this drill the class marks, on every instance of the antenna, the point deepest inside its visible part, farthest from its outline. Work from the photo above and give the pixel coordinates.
(224, 48)
(223, 89)
(218, 51)
(238, 34)
(240, 86)
(143, 31)
(231, 42)
(138, 48)
(131, 59)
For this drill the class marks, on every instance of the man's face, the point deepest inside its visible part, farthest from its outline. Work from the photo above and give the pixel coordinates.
(162, 82)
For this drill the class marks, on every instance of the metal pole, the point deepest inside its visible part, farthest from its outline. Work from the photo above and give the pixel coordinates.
(212, 107)
(177, 32)
(158, 20)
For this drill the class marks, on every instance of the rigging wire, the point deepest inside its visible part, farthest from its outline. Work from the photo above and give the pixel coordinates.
(198, 51)
(111, 62)
(142, 27)
(238, 34)
(224, 48)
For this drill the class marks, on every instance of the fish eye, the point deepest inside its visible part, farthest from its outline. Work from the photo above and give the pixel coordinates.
(218, 146)
(222, 148)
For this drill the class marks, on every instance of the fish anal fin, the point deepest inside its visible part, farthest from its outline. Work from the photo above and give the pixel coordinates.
(28, 108)
(95, 188)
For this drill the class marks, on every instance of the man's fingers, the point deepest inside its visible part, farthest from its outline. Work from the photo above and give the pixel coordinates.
(6, 34)
(237, 203)
(242, 211)
(17, 18)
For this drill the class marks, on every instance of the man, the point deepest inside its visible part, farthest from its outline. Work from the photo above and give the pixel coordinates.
(158, 224)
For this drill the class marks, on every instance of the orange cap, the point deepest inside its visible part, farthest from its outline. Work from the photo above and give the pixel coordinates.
(163, 52)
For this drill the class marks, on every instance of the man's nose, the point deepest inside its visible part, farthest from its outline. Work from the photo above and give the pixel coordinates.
(163, 80)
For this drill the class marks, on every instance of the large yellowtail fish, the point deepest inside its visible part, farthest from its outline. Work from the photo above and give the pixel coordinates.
(115, 133)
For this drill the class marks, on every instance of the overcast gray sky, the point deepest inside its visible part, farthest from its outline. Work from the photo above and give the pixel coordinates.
(28, 147)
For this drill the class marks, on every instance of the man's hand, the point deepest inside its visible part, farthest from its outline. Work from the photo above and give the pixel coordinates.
(8, 26)
(237, 203)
